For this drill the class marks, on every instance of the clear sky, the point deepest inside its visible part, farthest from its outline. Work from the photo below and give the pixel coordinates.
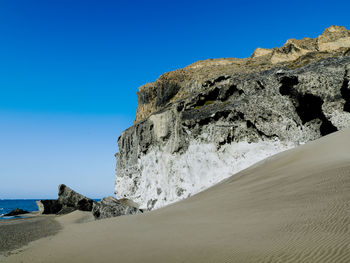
(70, 70)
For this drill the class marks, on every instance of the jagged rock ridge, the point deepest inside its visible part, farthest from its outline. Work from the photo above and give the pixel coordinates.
(179, 84)
(196, 126)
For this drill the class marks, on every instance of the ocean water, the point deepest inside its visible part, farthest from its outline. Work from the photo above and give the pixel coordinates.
(7, 206)
(29, 205)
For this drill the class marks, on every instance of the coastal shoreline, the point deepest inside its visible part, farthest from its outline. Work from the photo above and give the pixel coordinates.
(292, 207)
(16, 233)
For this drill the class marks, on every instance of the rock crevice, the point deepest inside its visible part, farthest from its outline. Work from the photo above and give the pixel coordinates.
(216, 117)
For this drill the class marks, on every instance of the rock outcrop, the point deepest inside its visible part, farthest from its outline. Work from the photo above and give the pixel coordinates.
(111, 207)
(70, 198)
(16, 212)
(49, 206)
(199, 125)
(182, 83)
(334, 39)
(68, 201)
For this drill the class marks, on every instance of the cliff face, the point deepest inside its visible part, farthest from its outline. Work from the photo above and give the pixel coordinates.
(199, 125)
(179, 84)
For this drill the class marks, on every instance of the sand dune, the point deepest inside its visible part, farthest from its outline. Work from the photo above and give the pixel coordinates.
(292, 207)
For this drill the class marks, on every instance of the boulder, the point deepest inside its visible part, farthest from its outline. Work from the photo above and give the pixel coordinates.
(70, 198)
(111, 207)
(49, 206)
(68, 201)
(16, 212)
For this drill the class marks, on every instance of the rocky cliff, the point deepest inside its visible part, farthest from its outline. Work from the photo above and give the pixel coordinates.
(199, 125)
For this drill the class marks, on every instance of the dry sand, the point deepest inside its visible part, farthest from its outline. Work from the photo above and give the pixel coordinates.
(293, 207)
(16, 233)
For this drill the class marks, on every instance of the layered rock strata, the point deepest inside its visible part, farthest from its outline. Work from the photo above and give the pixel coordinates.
(199, 125)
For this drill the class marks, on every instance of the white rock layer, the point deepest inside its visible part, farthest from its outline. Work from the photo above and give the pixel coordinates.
(200, 167)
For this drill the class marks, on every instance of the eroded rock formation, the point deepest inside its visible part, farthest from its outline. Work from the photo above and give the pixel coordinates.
(68, 201)
(111, 207)
(196, 126)
(49, 206)
(70, 198)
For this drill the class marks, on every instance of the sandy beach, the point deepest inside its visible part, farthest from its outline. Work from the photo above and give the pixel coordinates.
(16, 233)
(292, 207)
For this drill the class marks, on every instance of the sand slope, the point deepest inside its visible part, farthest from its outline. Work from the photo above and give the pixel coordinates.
(293, 207)
(16, 233)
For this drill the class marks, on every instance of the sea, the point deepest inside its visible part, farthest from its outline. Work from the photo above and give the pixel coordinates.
(7, 206)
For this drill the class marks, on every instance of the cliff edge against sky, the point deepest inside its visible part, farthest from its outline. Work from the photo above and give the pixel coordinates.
(199, 125)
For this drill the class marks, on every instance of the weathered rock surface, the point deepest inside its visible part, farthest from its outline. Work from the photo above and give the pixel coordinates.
(49, 206)
(68, 201)
(111, 207)
(182, 83)
(16, 212)
(197, 126)
(333, 39)
(70, 198)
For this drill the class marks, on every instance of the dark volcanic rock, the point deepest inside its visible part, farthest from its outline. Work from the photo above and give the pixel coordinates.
(49, 206)
(16, 212)
(70, 198)
(111, 207)
(68, 201)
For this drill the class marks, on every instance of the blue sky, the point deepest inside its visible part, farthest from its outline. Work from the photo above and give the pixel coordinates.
(70, 70)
